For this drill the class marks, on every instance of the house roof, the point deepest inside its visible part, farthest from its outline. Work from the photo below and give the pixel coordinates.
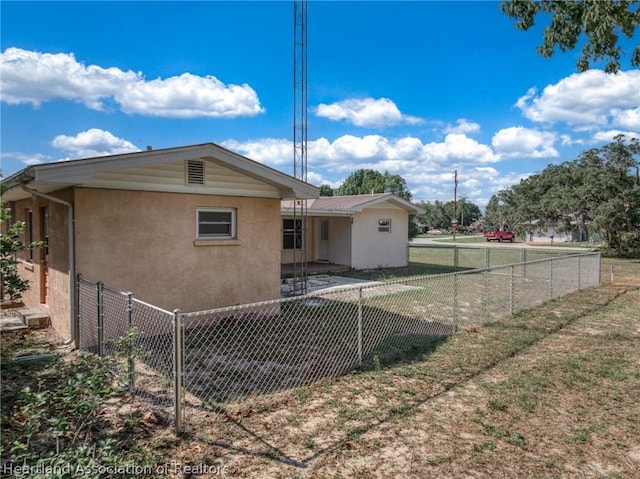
(349, 205)
(231, 174)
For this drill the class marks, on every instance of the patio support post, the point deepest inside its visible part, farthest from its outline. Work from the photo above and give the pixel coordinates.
(100, 303)
(178, 365)
(360, 325)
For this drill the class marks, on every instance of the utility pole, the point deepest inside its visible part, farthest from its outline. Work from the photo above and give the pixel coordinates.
(454, 221)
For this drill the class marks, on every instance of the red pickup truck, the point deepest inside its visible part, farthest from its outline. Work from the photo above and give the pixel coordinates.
(499, 236)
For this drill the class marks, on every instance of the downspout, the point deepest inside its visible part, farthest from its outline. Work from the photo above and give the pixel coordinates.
(72, 258)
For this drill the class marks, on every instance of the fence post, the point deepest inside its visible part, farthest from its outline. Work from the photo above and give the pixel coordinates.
(79, 312)
(511, 291)
(455, 301)
(178, 364)
(579, 272)
(551, 278)
(611, 273)
(487, 257)
(360, 325)
(132, 367)
(100, 298)
(455, 257)
(523, 261)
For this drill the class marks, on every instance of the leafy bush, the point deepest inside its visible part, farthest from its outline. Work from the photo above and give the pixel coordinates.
(61, 427)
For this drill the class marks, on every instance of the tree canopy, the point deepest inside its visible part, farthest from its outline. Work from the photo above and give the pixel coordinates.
(598, 192)
(600, 21)
(365, 181)
(326, 190)
(439, 214)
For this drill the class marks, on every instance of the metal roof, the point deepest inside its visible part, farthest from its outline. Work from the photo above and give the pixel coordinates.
(349, 205)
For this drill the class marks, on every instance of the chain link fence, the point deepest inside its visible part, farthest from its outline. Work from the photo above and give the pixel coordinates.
(107, 317)
(463, 257)
(207, 357)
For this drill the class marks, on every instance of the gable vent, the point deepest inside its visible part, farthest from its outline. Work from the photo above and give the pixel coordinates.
(195, 172)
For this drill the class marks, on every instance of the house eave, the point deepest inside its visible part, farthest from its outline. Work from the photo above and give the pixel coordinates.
(60, 175)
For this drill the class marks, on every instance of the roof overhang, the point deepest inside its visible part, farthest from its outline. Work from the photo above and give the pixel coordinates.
(51, 177)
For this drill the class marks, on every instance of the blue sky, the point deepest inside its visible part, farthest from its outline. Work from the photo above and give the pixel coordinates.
(418, 89)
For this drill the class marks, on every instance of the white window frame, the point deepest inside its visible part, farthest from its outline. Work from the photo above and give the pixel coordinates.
(232, 223)
(384, 225)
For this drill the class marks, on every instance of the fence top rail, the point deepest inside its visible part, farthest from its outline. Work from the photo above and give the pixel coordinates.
(377, 284)
(151, 306)
(562, 251)
(82, 279)
(105, 287)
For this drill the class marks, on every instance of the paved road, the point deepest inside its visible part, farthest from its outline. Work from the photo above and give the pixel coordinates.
(494, 244)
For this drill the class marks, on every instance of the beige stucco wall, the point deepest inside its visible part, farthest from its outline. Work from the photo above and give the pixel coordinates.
(145, 242)
(57, 301)
(371, 248)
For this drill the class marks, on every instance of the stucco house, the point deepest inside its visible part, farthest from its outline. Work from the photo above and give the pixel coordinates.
(359, 231)
(188, 228)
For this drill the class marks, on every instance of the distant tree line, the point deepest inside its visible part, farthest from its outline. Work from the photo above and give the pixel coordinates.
(439, 214)
(599, 192)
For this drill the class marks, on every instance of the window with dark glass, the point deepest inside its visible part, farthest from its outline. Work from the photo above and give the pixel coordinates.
(291, 234)
(384, 226)
(216, 223)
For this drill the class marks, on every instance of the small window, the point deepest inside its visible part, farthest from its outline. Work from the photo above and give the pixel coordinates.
(384, 226)
(195, 172)
(291, 234)
(216, 223)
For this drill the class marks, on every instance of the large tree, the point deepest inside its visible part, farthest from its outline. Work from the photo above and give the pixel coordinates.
(599, 191)
(601, 22)
(439, 215)
(326, 190)
(365, 181)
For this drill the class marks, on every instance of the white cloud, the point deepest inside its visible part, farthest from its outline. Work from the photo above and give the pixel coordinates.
(26, 158)
(626, 118)
(459, 148)
(609, 135)
(189, 96)
(33, 77)
(272, 151)
(463, 126)
(91, 143)
(427, 167)
(366, 112)
(519, 142)
(592, 98)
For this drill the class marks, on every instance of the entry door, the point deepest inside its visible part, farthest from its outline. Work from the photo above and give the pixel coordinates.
(322, 249)
(44, 255)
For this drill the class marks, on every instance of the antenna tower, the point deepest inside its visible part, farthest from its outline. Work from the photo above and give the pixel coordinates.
(300, 143)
